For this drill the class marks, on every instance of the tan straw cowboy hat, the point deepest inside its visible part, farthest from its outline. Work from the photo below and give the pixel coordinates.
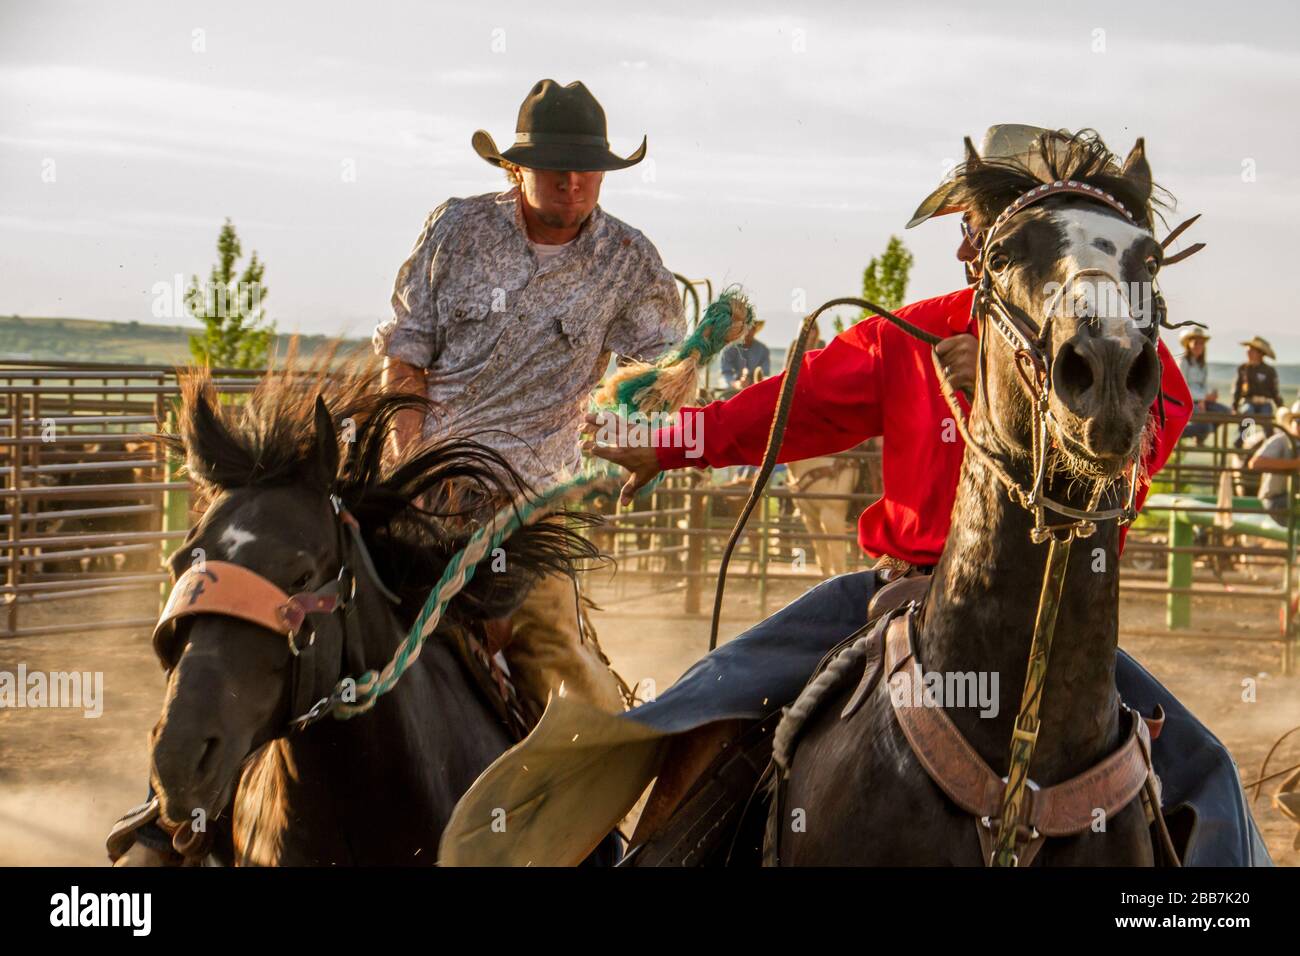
(1262, 344)
(1193, 333)
(1013, 142)
(1286, 416)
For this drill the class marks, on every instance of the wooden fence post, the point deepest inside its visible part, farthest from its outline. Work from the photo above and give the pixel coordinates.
(696, 543)
(1178, 607)
(13, 577)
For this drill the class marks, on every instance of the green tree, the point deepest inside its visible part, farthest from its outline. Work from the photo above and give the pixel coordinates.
(236, 332)
(884, 280)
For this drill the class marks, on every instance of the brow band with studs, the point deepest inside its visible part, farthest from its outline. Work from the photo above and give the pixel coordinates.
(1052, 189)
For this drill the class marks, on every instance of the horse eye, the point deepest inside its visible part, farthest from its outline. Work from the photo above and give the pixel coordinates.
(1153, 265)
(999, 261)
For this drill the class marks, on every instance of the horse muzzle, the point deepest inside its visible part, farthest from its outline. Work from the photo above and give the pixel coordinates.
(1107, 386)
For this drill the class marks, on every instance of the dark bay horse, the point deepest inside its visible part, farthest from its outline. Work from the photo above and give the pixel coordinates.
(856, 793)
(379, 787)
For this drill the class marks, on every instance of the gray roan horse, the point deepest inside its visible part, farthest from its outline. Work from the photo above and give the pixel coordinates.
(377, 788)
(863, 796)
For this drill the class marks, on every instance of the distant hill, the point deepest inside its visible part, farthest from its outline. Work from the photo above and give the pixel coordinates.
(89, 340)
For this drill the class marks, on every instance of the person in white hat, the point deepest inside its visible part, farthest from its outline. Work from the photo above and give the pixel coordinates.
(1196, 371)
(1276, 458)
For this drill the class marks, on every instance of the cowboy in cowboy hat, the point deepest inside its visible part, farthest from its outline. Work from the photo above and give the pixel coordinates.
(505, 315)
(1196, 371)
(1256, 391)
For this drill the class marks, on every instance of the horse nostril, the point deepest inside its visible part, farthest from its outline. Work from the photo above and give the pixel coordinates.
(1073, 373)
(206, 757)
(1143, 373)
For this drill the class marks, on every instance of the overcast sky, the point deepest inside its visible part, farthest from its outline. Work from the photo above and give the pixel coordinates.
(788, 141)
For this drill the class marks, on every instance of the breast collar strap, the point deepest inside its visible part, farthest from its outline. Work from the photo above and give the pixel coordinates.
(1063, 809)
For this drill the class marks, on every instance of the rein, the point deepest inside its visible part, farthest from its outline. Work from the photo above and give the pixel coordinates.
(776, 435)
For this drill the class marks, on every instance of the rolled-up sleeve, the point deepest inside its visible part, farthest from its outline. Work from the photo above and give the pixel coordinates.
(411, 335)
(653, 320)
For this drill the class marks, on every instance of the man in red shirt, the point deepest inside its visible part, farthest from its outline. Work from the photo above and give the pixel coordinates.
(873, 379)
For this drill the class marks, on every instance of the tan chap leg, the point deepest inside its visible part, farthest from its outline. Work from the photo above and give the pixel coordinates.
(550, 647)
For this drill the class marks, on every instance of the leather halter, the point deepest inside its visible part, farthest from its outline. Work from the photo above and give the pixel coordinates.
(1063, 809)
(231, 590)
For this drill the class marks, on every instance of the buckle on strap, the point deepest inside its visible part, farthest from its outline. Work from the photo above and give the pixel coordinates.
(1026, 833)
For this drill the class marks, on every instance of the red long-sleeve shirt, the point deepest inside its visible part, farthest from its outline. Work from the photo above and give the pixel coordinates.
(874, 379)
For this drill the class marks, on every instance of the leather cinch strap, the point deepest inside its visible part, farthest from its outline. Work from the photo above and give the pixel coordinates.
(960, 772)
(219, 587)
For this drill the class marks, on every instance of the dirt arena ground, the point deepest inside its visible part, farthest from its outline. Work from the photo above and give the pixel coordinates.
(64, 778)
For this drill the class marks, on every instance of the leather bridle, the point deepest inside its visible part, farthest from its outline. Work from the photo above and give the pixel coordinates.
(232, 590)
(1030, 345)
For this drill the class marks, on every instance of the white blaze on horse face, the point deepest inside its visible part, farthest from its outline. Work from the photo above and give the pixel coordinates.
(1095, 245)
(234, 538)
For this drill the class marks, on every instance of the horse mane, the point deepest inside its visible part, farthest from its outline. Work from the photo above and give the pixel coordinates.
(411, 528)
(985, 187)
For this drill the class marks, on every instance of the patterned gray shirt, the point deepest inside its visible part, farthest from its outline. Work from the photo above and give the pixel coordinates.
(513, 348)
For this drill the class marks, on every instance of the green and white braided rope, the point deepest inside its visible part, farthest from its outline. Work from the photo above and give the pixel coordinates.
(524, 511)
(647, 388)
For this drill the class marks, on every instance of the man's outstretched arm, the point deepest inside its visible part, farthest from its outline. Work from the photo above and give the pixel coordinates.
(835, 407)
(837, 403)
(408, 426)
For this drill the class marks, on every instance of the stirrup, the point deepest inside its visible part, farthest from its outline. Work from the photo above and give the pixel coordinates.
(122, 837)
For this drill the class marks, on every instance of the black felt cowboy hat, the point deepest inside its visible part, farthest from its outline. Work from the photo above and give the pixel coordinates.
(560, 127)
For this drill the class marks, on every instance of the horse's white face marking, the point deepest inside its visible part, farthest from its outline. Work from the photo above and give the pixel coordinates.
(234, 538)
(1096, 242)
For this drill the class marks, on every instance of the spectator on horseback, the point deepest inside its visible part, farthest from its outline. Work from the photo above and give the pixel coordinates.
(506, 314)
(1196, 372)
(747, 361)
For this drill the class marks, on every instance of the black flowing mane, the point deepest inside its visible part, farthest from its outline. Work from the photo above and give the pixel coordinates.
(985, 187)
(268, 439)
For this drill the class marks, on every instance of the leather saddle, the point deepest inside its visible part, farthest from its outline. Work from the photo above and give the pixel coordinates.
(707, 808)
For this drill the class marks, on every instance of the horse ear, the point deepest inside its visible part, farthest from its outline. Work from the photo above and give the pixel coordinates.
(1136, 167)
(207, 442)
(327, 445)
(972, 157)
(200, 425)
